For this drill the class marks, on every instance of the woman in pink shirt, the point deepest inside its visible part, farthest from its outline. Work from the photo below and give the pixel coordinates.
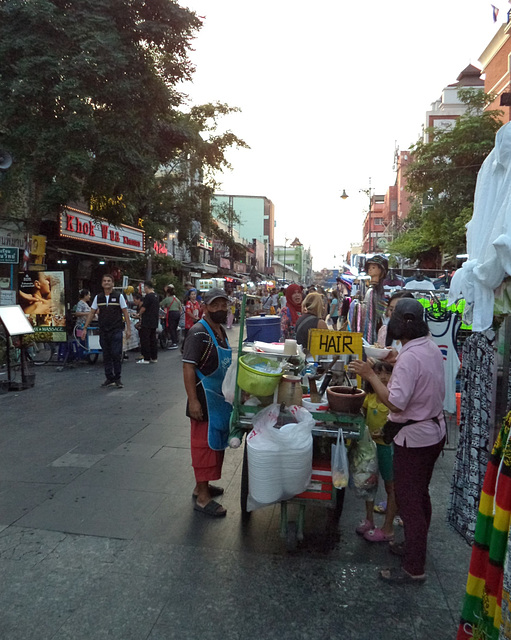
(415, 396)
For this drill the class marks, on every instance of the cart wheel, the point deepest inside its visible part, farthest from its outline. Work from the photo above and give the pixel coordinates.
(92, 358)
(292, 537)
(244, 486)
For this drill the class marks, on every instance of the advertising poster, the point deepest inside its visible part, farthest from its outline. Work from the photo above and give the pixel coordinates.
(41, 296)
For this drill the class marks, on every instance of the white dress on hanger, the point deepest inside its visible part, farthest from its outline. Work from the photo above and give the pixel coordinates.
(488, 235)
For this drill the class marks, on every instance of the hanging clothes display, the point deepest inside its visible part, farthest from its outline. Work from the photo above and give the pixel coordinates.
(444, 331)
(481, 615)
(356, 316)
(375, 306)
(420, 285)
(488, 234)
(478, 358)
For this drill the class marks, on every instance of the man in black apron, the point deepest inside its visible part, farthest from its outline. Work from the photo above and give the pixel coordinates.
(206, 358)
(111, 308)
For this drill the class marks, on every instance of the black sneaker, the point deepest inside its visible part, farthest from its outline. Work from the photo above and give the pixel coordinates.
(108, 383)
(118, 384)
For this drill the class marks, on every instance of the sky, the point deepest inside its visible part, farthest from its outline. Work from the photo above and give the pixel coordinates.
(327, 90)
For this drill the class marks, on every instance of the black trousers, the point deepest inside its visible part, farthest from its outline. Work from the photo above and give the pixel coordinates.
(172, 324)
(111, 345)
(413, 468)
(148, 344)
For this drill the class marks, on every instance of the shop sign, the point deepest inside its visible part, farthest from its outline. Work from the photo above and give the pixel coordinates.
(9, 255)
(323, 342)
(11, 238)
(225, 263)
(80, 226)
(41, 296)
(204, 243)
(160, 248)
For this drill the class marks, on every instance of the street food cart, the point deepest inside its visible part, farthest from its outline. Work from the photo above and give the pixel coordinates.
(325, 344)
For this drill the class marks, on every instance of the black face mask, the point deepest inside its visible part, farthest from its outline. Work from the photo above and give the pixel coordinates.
(218, 317)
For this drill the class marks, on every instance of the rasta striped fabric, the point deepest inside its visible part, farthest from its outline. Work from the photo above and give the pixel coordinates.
(481, 615)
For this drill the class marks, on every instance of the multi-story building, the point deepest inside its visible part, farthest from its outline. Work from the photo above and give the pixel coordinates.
(297, 261)
(256, 215)
(375, 225)
(495, 61)
(448, 108)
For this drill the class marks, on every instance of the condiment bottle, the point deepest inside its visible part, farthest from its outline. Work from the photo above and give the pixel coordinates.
(290, 390)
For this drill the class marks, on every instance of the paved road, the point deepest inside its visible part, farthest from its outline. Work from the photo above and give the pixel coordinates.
(98, 538)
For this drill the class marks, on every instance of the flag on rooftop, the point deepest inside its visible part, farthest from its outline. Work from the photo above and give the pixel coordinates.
(495, 12)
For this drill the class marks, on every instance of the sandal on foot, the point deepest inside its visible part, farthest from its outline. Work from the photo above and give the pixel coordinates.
(212, 509)
(377, 535)
(363, 527)
(213, 492)
(397, 548)
(397, 575)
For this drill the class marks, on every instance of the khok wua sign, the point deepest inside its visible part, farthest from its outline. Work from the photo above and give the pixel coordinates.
(80, 226)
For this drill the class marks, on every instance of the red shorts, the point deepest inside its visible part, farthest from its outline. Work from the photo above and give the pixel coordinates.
(206, 463)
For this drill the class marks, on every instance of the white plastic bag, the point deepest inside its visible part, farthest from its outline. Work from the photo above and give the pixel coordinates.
(279, 460)
(340, 469)
(229, 383)
(364, 467)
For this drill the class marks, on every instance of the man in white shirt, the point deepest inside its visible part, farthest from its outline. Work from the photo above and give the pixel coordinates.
(111, 307)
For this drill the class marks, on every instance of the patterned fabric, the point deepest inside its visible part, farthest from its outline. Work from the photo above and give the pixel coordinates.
(505, 625)
(472, 454)
(375, 310)
(481, 614)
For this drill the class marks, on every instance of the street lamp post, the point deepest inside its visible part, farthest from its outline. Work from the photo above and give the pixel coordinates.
(285, 247)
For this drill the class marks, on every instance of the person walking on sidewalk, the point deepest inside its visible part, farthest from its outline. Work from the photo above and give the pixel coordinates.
(111, 308)
(172, 305)
(149, 314)
(206, 358)
(192, 313)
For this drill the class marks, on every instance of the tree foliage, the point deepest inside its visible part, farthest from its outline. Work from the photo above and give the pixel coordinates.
(181, 190)
(442, 178)
(90, 106)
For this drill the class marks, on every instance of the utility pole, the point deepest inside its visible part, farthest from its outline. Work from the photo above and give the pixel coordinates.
(286, 240)
(230, 223)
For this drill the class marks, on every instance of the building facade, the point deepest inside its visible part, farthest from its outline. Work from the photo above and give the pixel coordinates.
(496, 64)
(256, 215)
(448, 108)
(296, 262)
(375, 225)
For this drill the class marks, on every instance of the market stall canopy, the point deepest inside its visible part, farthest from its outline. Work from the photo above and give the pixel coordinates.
(201, 266)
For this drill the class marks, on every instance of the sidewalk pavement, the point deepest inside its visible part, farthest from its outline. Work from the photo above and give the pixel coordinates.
(99, 540)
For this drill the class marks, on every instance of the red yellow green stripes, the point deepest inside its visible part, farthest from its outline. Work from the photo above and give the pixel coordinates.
(481, 613)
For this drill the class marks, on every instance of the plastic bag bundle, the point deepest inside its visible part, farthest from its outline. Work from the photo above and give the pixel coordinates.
(279, 460)
(229, 383)
(364, 466)
(340, 470)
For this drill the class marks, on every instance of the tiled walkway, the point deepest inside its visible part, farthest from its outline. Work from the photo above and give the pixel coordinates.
(98, 538)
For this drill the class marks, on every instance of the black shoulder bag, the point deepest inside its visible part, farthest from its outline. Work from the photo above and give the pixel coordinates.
(391, 429)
